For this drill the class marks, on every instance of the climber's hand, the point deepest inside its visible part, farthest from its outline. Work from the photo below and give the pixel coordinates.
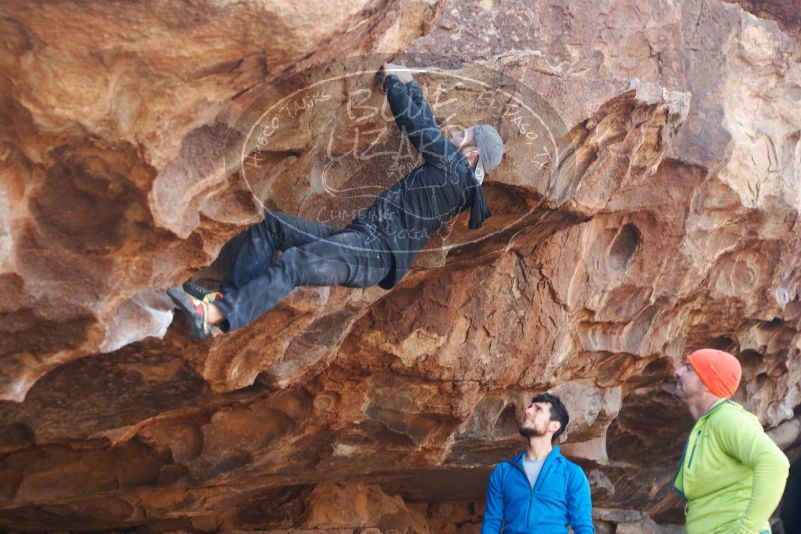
(401, 71)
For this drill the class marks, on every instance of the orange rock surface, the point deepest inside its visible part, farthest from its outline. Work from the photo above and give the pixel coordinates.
(659, 217)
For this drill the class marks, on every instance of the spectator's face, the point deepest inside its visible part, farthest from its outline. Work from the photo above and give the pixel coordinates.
(688, 384)
(536, 420)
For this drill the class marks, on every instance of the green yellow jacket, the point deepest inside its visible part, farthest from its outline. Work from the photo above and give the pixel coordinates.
(731, 473)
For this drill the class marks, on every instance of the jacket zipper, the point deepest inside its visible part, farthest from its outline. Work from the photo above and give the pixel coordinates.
(531, 495)
(692, 453)
(680, 471)
(538, 482)
(528, 510)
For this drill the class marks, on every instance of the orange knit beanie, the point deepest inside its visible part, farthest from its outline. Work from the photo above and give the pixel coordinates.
(718, 370)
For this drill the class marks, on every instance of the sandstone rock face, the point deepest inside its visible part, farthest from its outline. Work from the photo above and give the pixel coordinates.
(652, 211)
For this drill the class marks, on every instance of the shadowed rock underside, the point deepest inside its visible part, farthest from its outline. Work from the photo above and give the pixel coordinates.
(667, 223)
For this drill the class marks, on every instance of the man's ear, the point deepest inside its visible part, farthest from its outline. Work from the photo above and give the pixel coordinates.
(554, 426)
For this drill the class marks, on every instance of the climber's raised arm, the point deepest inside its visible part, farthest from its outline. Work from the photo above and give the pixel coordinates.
(414, 117)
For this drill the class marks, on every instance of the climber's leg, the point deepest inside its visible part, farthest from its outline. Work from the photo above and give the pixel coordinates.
(255, 250)
(277, 232)
(348, 258)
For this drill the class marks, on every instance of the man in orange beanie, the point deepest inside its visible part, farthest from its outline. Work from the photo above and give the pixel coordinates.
(731, 474)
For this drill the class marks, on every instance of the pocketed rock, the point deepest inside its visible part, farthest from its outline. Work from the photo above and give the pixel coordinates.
(663, 219)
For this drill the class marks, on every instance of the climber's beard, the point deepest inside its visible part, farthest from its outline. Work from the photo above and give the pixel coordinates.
(528, 429)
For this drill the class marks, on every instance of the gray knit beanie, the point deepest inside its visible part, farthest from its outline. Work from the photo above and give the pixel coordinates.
(490, 147)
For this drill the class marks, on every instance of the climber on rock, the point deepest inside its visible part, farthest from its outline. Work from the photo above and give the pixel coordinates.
(539, 490)
(378, 246)
(731, 473)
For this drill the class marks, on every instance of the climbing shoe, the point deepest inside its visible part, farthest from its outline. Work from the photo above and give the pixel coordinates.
(196, 311)
(201, 293)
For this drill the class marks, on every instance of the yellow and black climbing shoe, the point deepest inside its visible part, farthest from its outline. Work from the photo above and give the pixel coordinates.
(196, 311)
(201, 293)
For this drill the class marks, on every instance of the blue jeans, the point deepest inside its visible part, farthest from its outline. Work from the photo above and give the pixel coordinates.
(312, 254)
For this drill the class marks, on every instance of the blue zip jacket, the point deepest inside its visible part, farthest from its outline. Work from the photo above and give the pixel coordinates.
(560, 497)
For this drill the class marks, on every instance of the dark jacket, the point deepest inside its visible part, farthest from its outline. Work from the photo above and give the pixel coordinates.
(408, 213)
(560, 497)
